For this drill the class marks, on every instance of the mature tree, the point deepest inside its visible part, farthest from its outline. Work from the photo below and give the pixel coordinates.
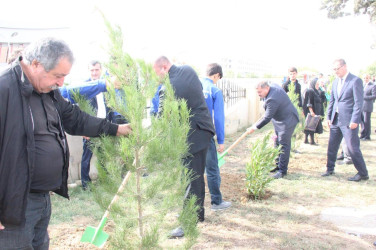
(336, 8)
(371, 70)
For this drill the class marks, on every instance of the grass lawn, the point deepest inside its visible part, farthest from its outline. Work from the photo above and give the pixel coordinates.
(288, 218)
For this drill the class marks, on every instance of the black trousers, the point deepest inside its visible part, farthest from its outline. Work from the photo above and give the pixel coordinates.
(366, 125)
(196, 163)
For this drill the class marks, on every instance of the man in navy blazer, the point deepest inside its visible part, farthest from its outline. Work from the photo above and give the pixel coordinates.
(344, 116)
(284, 116)
(369, 98)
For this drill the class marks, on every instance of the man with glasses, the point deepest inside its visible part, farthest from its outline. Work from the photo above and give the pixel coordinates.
(344, 116)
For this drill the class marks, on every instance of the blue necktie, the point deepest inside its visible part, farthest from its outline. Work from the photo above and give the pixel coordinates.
(339, 88)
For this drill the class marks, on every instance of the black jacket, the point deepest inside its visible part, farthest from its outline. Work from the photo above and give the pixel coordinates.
(313, 99)
(187, 86)
(298, 90)
(17, 146)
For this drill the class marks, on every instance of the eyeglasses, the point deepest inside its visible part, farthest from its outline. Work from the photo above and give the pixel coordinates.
(336, 69)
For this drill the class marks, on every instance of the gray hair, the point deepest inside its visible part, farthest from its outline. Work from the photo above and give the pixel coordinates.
(263, 84)
(341, 61)
(48, 52)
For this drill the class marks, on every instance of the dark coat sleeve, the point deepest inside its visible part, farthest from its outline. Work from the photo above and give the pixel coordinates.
(77, 122)
(307, 102)
(271, 107)
(298, 91)
(372, 96)
(285, 86)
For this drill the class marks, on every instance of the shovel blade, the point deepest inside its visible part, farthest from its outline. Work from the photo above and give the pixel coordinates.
(221, 162)
(96, 238)
(221, 159)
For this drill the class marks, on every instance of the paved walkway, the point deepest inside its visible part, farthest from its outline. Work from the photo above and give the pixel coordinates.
(352, 220)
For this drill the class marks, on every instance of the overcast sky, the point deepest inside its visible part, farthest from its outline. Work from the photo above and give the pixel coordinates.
(285, 33)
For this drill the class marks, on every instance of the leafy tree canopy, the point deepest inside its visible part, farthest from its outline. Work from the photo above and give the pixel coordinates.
(336, 8)
(371, 70)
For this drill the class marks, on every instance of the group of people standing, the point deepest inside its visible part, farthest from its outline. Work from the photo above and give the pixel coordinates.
(311, 100)
(350, 105)
(35, 114)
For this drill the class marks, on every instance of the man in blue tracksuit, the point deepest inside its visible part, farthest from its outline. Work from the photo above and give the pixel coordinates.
(87, 89)
(155, 101)
(92, 92)
(214, 100)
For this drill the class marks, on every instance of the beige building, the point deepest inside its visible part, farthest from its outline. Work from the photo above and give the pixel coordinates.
(13, 38)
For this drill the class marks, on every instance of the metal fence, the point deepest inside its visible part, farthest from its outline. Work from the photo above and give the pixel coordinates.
(232, 92)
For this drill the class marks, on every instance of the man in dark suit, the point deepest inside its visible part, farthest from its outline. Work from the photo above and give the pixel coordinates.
(284, 116)
(369, 98)
(293, 73)
(187, 86)
(344, 115)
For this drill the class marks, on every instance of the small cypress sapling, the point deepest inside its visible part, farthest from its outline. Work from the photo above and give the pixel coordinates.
(262, 161)
(155, 191)
(297, 136)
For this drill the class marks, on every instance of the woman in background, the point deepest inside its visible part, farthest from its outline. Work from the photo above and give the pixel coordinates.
(313, 104)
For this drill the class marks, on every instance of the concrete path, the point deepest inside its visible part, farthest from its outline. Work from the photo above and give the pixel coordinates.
(356, 221)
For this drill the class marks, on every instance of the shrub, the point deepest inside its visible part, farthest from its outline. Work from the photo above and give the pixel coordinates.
(263, 158)
(299, 129)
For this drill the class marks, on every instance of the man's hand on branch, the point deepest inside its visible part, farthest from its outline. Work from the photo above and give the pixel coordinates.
(114, 81)
(124, 129)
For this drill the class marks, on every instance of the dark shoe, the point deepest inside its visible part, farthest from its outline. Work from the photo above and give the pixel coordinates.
(278, 175)
(341, 157)
(85, 187)
(357, 178)
(314, 144)
(327, 173)
(348, 161)
(365, 139)
(176, 233)
(274, 170)
(345, 161)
